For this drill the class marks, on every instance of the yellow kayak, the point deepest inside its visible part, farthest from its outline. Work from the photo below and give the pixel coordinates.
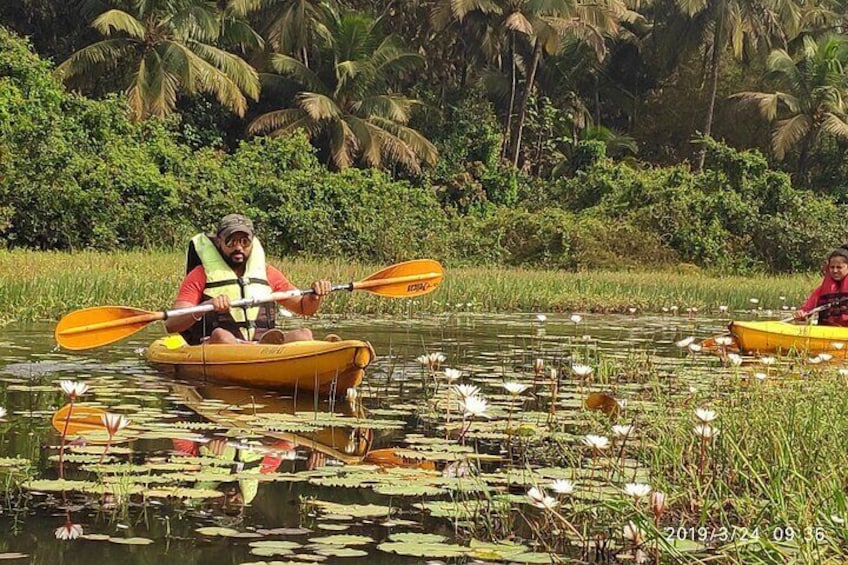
(782, 337)
(325, 366)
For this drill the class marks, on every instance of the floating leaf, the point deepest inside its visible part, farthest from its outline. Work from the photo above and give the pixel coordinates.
(342, 539)
(412, 537)
(423, 549)
(355, 510)
(341, 552)
(132, 541)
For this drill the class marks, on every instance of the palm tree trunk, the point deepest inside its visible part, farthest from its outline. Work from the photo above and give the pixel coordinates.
(525, 97)
(508, 131)
(714, 62)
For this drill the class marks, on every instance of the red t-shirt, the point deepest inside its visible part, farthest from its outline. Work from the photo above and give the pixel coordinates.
(194, 284)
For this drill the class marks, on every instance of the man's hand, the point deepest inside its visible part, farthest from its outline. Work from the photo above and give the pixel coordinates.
(221, 303)
(799, 315)
(322, 287)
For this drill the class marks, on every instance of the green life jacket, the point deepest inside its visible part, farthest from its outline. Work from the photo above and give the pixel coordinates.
(246, 322)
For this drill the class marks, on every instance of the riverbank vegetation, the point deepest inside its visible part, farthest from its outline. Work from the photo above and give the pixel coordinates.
(378, 152)
(46, 285)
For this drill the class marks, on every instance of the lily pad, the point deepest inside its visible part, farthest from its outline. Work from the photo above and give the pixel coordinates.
(132, 541)
(446, 550)
(343, 539)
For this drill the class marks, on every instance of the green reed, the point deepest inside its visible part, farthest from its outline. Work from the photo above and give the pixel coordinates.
(46, 285)
(776, 471)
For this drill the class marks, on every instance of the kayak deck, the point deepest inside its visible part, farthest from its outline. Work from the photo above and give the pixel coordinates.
(328, 367)
(782, 337)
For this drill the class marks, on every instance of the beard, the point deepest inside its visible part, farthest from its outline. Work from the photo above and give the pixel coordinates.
(236, 263)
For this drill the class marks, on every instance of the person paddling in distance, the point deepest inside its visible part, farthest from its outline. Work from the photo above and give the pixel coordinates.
(226, 267)
(832, 291)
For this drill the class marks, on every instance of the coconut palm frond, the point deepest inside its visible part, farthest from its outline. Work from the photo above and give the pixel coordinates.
(389, 106)
(242, 8)
(415, 142)
(765, 102)
(106, 54)
(118, 20)
(298, 72)
(787, 133)
(692, 7)
(391, 58)
(369, 147)
(318, 106)
(282, 121)
(239, 33)
(213, 80)
(342, 144)
(232, 66)
(835, 125)
(518, 23)
(196, 20)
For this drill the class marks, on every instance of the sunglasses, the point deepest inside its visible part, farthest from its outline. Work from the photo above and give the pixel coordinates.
(241, 241)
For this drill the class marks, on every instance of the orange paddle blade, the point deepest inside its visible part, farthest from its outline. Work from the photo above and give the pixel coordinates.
(101, 325)
(83, 419)
(408, 279)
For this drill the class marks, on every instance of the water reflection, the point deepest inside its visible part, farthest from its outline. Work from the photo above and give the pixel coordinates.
(264, 455)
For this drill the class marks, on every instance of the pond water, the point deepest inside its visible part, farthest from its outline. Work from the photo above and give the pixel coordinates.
(288, 488)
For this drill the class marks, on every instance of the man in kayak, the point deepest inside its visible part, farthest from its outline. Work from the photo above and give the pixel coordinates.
(229, 266)
(832, 293)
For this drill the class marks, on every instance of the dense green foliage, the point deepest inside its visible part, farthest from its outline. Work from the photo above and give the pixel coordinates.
(77, 173)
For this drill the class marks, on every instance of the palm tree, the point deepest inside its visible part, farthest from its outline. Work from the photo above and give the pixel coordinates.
(293, 26)
(160, 48)
(552, 21)
(348, 103)
(739, 24)
(811, 98)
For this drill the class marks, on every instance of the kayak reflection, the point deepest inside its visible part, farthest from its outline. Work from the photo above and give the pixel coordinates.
(241, 410)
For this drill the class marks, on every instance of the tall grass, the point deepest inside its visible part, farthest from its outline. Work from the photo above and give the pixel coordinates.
(46, 285)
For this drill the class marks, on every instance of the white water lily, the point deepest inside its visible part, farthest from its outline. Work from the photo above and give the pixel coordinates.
(685, 342)
(539, 499)
(474, 406)
(596, 442)
(515, 388)
(68, 531)
(724, 340)
(114, 422)
(695, 347)
(541, 318)
(693, 389)
(674, 308)
(664, 309)
(637, 490)
(634, 533)
(722, 308)
(843, 372)
(582, 370)
(466, 391)
(621, 430)
(705, 415)
(586, 337)
(452, 374)
(540, 364)
(73, 388)
(825, 357)
(285, 313)
(768, 360)
(576, 318)
(814, 360)
(563, 486)
(837, 519)
(2, 412)
(622, 403)
(734, 359)
(837, 345)
(632, 310)
(760, 376)
(658, 503)
(706, 431)
(352, 394)
(754, 300)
